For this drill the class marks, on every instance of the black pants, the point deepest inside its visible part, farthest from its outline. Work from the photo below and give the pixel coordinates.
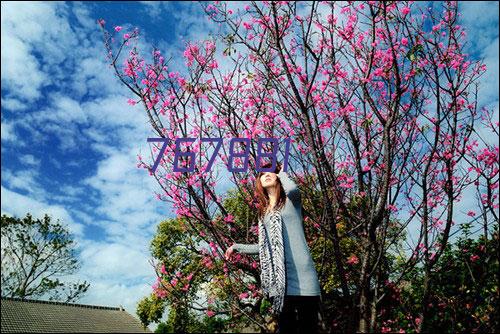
(299, 315)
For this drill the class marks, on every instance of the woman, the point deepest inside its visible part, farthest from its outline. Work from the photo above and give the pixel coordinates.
(288, 274)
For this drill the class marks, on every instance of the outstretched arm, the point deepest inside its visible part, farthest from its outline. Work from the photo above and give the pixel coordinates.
(246, 248)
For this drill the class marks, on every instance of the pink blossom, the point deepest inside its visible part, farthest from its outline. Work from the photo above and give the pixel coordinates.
(207, 262)
(214, 64)
(353, 259)
(229, 218)
(471, 213)
(210, 313)
(404, 41)
(474, 258)
(118, 28)
(405, 10)
(392, 208)
(379, 71)
(160, 293)
(243, 295)
(131, 102)
(126, 36)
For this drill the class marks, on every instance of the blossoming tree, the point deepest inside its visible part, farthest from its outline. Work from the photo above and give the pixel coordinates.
(380, 102)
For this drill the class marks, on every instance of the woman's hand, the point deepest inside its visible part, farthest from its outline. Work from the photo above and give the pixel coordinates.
(229, 252)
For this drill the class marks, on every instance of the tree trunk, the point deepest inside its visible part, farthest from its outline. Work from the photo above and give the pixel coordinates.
(424, 319)
(364, 288)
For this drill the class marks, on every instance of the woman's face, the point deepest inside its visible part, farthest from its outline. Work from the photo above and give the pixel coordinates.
(268, 179)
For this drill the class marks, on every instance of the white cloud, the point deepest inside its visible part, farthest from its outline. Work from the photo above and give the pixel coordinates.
(127, 197)
(28, 27)
(92, 75)
(20, 70)
(107, 261)
(479, 18)
(62, 111)
(30, 160)
(83, 16)
(13, 104)
(152, 8)
(100, 121)
(488, 89)
(24, 180)
(8, 132)
(15, 204)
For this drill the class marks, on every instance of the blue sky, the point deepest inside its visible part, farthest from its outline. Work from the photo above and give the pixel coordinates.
(70, 140)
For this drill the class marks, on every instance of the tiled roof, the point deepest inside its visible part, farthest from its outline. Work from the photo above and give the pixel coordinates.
(44, 316)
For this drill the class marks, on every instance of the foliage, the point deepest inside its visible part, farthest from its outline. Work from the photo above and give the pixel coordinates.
(465, 290)
(36, 253)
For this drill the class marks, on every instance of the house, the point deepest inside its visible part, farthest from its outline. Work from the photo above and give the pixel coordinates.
(46, 316)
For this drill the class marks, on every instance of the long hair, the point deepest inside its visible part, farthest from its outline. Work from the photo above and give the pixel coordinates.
(262, 196)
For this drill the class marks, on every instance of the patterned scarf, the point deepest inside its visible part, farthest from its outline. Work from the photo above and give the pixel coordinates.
(272, 260)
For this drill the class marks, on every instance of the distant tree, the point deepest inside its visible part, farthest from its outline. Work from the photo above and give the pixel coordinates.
(35, 254)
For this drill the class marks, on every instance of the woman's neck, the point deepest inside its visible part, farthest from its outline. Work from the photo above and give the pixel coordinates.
(273, 199)
(270, 206)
